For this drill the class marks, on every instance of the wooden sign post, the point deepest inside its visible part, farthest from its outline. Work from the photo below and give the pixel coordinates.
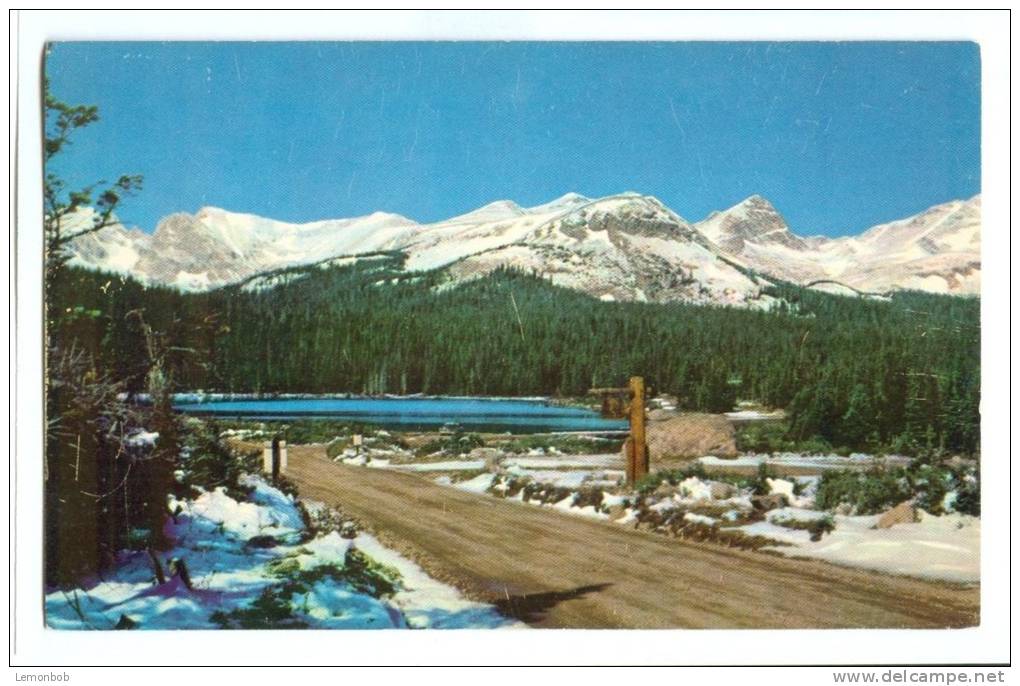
(637, 449)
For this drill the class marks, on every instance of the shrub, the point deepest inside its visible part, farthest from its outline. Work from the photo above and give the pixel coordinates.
(866, 492)
(760, 485)
(774, 437)
(673, 477)
(274, 608)
(271, 610)
(454, 444)
(816, 527)
(210, 464)
(763, 437)
(878, 489)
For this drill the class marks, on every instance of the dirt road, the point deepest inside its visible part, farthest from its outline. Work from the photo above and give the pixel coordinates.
(553, 569)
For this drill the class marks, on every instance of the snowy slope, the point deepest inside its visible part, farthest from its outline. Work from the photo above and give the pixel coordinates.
(938, 250)
(216, 247)
(621, 247)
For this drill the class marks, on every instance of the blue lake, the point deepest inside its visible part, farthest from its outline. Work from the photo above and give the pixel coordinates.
(475, 414)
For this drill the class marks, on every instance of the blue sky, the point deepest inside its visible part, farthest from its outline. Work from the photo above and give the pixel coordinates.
(839, 136)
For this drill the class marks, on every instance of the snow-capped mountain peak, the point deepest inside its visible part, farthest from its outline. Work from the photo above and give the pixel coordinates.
(618, 247)
(564, 202)
(753, 220)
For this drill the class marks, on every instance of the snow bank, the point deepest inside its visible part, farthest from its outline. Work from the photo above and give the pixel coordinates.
(427, 603)
(946, 548)
(700, 519)
(821, 462)
(270, 512)
(562, 479)
(796, 514)
(695, 489)
(479, 484)
(448, 466)
(593, 461)
(215, 535)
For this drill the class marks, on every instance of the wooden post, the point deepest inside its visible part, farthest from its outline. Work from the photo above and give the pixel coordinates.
(283, 456)
(276, 458)
(637, 453)
(267, 458)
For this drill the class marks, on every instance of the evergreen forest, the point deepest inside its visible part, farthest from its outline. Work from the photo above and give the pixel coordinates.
(899, 374)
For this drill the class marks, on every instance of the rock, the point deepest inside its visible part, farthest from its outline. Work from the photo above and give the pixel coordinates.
(721, 490)
(262, 541)
(689, 436)
(660, 414)
(904, 513)
(844, 509)
(772, 501)
(126, 624)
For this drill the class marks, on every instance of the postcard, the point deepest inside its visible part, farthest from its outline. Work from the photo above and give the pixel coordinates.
(350, 334)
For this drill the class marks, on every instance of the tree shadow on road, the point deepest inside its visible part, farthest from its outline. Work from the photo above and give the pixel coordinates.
(532, 607)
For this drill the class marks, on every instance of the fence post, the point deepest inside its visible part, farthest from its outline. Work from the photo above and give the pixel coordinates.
(637, 453)
(283, 456)
(276, 458)
(267, 458)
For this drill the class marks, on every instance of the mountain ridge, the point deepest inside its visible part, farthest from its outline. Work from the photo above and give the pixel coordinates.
(626, 246)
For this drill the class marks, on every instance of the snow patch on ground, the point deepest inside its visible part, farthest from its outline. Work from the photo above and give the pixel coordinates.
(700, 519)
(448, 466)
(561, 462)
(427, 603)
(820, 462)
(479, 484)
(215, 535)
(946, 548)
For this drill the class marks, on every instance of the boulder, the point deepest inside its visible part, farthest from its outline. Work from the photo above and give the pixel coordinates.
(773, 501)
(689, 436)
(904, 513)
(262, 541)
(721, 490)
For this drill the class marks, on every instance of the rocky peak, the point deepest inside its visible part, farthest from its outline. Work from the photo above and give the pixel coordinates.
(754, 220)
